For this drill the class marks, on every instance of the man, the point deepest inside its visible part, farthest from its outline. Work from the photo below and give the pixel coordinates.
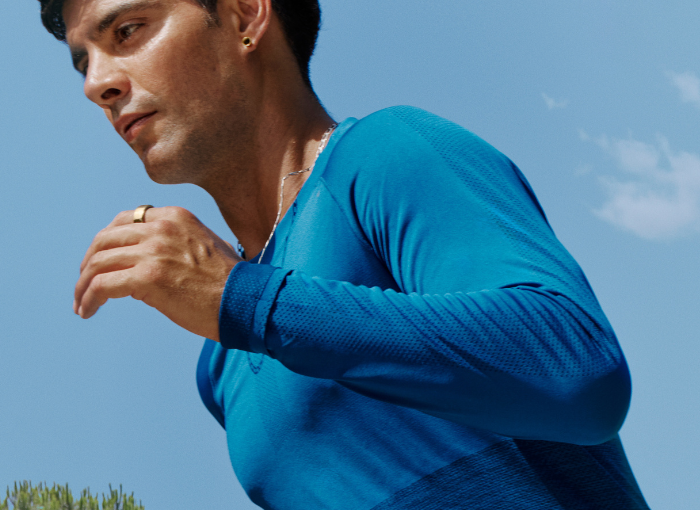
(409, 333)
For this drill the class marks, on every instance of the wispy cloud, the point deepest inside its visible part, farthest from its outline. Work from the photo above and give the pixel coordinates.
(659, 196)
(553, 103)
(688, 84)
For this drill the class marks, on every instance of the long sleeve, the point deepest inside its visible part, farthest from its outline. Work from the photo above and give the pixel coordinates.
(491, 323)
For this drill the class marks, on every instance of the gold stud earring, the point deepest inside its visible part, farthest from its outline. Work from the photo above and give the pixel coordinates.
(247, 42)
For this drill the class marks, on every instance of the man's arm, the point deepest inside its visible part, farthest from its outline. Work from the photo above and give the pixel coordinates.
(518, 362)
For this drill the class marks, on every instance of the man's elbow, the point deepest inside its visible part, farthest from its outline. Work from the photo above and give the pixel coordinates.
(597, 408)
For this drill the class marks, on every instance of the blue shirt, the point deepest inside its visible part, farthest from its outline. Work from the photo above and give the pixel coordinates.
(417, 337)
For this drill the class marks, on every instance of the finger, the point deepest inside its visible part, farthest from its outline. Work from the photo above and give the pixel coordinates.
(152, 214)
(104, 286)
(125, 219)
(115, 237)
(105, 261)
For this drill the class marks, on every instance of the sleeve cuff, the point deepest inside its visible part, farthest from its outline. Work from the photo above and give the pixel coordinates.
(250, 292)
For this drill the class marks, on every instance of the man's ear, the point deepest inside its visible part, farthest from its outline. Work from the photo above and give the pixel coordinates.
(252, 18)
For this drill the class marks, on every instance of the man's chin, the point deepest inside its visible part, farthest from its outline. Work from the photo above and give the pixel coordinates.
(159, 167)
(164, 174)
(161, 170)
(170, 171)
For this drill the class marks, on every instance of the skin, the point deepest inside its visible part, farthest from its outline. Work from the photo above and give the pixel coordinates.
(209, 111)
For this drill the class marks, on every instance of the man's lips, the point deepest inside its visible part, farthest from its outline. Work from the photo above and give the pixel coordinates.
(129, 125)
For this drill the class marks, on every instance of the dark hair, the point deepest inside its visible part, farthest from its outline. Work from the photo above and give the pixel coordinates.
(301, 21)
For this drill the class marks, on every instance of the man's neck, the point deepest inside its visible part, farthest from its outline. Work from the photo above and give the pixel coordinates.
(285, 138)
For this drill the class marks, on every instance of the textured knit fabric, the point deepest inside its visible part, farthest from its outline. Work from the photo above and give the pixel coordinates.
(417, 338)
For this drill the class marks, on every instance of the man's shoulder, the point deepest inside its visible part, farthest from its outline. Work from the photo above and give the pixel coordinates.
(405, 121)
(400, 140)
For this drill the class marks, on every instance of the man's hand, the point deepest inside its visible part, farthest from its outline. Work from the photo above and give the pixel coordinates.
(172, 263)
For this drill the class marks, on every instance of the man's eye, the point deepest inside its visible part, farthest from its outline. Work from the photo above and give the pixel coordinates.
(126, 31)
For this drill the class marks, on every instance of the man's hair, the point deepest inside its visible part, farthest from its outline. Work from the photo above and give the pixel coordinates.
(301, 21)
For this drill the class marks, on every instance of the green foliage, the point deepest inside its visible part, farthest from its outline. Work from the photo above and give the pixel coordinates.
(59, 497)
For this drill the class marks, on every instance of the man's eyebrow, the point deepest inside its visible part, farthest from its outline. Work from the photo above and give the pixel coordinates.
(79, 54)
(108, 19)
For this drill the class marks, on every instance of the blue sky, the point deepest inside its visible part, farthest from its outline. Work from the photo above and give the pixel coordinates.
(598, 103)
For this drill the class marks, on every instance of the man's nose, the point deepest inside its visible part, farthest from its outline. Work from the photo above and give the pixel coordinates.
(105, 82)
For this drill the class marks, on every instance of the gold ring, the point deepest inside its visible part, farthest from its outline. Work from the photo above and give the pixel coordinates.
(140, 213)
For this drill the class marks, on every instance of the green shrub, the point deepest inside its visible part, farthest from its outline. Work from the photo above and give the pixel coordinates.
(59, 497)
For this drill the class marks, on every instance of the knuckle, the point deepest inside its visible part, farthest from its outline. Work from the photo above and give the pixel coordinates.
(157, 247)
(97, 240)
(94, 261)
(181, 214)
(102, 237)
(97, 284)
(165, 227)
(123, 216)
(153, 274)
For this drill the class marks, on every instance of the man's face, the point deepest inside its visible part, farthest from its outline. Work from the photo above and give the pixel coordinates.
(167, 78)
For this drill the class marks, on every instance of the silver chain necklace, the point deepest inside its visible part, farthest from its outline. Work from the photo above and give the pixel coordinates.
(321, 146)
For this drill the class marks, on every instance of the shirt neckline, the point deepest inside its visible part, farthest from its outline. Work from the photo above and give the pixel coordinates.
(306, 189)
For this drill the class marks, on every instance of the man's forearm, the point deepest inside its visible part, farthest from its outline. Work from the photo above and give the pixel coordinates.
(520, 362)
